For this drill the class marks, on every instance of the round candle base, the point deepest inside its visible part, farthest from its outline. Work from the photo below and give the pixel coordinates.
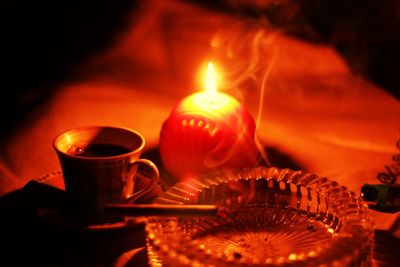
(204, 134)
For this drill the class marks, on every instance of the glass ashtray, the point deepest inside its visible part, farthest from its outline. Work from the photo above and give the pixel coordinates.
(276, 217)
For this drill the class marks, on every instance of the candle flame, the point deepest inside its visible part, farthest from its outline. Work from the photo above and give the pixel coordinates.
(211, 80)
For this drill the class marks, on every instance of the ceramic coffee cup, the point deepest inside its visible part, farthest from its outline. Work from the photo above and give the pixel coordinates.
(100, 165)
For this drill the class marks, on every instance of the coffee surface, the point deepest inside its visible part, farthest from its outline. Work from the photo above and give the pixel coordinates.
(98, 150)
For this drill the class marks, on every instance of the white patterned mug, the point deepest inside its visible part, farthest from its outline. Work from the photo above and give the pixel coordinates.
(100, 166)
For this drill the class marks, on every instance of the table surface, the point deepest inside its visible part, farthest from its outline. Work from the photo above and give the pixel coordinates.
(314, 113)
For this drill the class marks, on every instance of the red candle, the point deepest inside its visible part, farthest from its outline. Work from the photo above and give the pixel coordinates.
(207, 131)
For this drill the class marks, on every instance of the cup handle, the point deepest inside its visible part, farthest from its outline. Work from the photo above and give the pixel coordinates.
(154, 177)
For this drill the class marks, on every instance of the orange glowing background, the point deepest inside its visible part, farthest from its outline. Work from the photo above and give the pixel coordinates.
(315, 113)
(313, 110)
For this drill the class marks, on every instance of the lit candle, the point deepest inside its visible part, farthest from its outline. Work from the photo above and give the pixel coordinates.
(206, 131)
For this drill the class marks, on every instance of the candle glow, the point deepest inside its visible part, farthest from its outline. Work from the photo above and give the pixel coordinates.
(210, 100)
(207, 130)
(211, 81)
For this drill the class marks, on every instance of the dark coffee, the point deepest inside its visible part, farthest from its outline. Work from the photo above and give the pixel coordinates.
(98, 150)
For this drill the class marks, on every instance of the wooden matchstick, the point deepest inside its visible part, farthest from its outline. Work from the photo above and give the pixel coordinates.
(161, 210)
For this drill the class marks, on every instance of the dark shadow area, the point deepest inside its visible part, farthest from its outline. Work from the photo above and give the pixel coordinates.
(365, 32)
(276, 158)
(135, 260)
(386, 249)
(32, 238)
(42, 44)
(391, 209)
(281, 160)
